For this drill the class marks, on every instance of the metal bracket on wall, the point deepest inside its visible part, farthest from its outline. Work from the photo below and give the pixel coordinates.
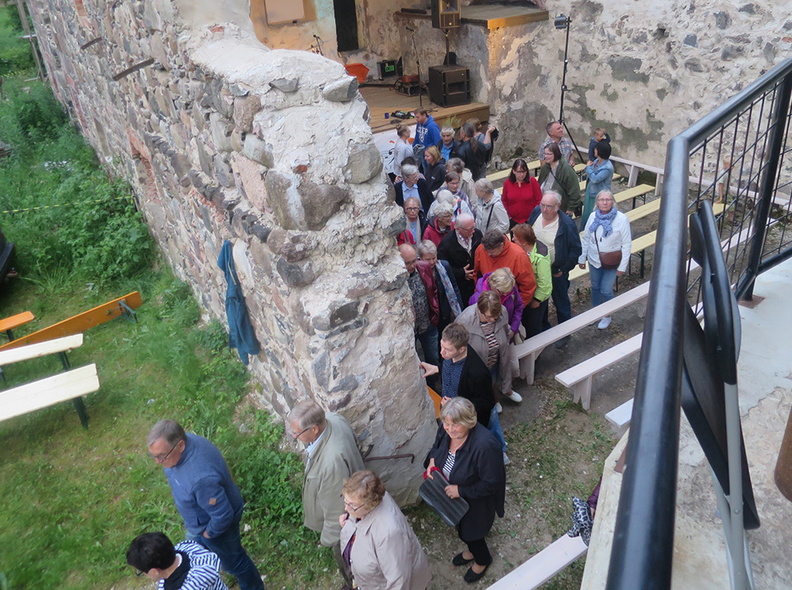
(133, 69)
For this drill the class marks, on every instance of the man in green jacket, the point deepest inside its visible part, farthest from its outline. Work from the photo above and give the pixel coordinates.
(333, 456)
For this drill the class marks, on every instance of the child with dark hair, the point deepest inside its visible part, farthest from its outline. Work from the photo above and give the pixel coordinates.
(600, 134)
(187, 566)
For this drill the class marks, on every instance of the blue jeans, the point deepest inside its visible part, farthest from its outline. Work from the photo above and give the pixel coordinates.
(233, 558)
(495, 428)
(602, 282)
(560, 299)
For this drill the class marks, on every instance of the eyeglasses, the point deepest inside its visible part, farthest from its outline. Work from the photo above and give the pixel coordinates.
(303, 431)
(349, 505)
(412, 208)
(543, 206)
(138, 573)
(161, 458)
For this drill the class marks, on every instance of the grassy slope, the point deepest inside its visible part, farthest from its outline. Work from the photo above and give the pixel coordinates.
(73, 499)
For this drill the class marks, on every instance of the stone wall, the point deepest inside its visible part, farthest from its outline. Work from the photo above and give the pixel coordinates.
(223, 138)
(644, 70)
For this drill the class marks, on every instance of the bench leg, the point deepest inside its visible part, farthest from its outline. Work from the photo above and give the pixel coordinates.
(527, 366)
(581, 392)
(79, 405)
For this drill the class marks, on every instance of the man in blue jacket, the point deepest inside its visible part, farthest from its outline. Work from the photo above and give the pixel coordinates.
(205, 495)
(426, 133)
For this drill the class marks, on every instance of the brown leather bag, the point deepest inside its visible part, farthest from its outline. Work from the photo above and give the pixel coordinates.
(608, 260)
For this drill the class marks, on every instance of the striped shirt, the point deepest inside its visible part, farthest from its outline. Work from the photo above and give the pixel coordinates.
(204, 572)
(492, 343)
(449, 464)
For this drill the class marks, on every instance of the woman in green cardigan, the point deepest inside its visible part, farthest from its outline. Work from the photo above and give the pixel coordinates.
(557, 175)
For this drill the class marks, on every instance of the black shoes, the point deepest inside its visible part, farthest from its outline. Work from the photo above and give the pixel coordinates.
(472, 576)
(459, 560)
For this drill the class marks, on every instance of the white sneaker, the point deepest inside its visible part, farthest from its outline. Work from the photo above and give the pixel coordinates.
(604, 323)
(506, 459)
(499, 408)
(513, 396)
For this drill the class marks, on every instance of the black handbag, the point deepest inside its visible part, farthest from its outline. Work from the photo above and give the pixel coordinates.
(432, 491)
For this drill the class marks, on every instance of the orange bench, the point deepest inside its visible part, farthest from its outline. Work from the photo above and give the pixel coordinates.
(8, 324)
(82, 321)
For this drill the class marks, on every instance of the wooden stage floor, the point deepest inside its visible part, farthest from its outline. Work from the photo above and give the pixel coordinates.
(384, 99)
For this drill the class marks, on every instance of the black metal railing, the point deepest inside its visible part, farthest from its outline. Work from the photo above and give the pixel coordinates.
(739, 156)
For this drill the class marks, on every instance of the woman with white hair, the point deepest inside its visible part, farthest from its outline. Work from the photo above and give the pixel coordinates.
(490, 212)
(442, 223)
(458, 205)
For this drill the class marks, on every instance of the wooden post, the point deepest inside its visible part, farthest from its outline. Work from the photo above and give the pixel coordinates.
(30, 37)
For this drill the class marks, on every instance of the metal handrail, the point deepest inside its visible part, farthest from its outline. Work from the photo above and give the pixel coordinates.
(642, 550)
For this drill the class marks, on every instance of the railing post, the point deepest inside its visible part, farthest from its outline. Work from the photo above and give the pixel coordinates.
(643, 542)
(780, 118)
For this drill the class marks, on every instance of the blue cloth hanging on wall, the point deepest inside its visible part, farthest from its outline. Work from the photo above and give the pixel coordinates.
(240, 332)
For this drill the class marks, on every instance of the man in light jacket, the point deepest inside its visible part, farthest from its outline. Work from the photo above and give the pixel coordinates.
(333, 456)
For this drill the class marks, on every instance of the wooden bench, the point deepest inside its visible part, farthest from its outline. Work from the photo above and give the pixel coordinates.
(528, 351)
(123, 306)
(643, 210)
(579, 378)
(9, 324)
(47, 392)
(633, 193)
(58, 346)
(621, 416)
(543, 566)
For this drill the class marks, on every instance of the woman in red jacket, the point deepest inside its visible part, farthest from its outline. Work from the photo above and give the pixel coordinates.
(521, 193)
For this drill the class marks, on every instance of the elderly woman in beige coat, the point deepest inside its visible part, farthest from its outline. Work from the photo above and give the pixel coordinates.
(376, 539)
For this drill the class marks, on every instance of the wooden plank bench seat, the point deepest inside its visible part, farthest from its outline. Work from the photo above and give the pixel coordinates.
(47, 392)
(643, 211)
(579, 378)
(621, 415)
(9, 324)
(32, 351)
(633, 193)
(82, 321)
(528, 351)
(543, 566)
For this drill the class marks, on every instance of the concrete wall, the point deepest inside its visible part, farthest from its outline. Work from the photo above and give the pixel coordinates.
(223, 138)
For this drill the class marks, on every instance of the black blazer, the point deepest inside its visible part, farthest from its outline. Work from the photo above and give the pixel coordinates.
(423, 191)
(450, 250)
(475, 384)
(454, 149)
(480, 475)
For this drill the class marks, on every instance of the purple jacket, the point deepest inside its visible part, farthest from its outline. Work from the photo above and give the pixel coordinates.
(512, 302)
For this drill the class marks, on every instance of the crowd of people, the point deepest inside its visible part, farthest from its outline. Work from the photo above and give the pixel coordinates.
(482, 268)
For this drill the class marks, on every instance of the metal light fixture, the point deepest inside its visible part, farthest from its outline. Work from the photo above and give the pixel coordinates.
(561, 22)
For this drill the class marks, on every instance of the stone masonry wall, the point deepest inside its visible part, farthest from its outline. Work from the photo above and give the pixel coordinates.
(644, 70)
(223, 138)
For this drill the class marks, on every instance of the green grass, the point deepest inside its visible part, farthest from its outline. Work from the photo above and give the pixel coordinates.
(74, 498)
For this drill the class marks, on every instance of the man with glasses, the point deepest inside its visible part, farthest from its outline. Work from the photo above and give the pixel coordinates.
(413, 186)
(188, 566)
(333, 456)
(556, 230)
(206, 496)
(555, 134)
(458, 248)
